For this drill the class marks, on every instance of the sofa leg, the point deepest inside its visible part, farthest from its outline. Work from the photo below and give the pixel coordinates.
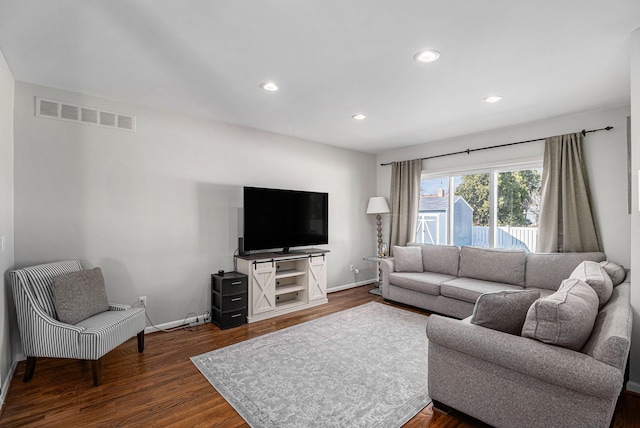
(141, 341)
(28, 371)
(96, 370)
(441, 407)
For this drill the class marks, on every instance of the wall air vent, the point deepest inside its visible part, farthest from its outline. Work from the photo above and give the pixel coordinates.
(48, 108)
(89, 115)
(83, 114)
(69, 112)
(107, 119)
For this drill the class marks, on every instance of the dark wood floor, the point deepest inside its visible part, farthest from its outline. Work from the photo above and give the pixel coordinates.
(161, 387)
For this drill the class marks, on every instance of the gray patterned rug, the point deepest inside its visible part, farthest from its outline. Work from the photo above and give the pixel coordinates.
(361, 367)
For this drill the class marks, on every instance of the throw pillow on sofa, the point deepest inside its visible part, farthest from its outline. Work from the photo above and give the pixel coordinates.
(407, 259)
(565, 318)
(480, 263)
(504, 310)
(615, 272)
(594, 274)
(79, 295)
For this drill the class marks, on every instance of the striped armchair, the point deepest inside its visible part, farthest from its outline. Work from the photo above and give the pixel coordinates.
(44, 336)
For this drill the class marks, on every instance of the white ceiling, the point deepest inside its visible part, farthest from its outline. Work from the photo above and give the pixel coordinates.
(332, 59)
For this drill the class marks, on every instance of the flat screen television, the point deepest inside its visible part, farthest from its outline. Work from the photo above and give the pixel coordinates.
(277, 218)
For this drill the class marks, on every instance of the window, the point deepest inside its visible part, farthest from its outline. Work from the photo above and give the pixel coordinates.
(492, 208)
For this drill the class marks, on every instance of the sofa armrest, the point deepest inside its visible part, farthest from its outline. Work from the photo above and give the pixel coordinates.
(386, 266)
(118, 307)
(37, 327)
(552, 364)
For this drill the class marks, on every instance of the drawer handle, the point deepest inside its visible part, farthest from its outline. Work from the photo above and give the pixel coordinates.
(236, 315)
(236, 283)
(236, 299)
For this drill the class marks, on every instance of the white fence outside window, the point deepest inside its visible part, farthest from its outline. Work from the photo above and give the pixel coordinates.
(507, 237)
(430, 226)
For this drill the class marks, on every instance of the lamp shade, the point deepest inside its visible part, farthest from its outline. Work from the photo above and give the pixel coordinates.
(377, 205)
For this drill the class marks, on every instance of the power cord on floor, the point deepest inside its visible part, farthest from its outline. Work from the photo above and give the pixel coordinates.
(192, 326)
(184, 325)
(169, 330)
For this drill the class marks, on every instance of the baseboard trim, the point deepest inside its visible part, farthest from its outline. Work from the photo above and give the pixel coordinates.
(173, 324)
(352, 285)
(633, 387)
(187, 321)
(6, 384)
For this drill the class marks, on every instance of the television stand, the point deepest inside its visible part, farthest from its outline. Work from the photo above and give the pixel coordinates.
(281, 283)
(287, 251)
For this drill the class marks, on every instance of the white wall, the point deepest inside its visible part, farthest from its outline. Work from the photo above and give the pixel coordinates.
(6, 222)
(634, 378)
(605, 153)
(158, 209)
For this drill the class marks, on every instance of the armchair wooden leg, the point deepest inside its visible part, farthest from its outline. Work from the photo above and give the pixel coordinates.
(96, 370)
(141, 341)
(31, 367)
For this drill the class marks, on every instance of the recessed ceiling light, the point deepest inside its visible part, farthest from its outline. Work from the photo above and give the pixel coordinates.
(358, 116)
(269, 86)
(427, 56)
(492, 99)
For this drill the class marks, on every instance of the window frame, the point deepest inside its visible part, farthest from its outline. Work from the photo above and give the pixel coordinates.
(491, 168)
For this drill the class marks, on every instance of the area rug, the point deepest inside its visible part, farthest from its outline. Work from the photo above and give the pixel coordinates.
(361, 367)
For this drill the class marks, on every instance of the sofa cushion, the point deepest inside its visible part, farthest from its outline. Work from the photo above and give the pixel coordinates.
(443, 259)
(548, 270)
(594, 274)
(424, 282)
(79, 295)
(407, 259)
(504, 310)
(469, 289)
(493, 264)
(565, 318)
(615, 272)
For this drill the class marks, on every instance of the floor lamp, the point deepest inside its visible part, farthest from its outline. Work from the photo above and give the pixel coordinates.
(378, 205)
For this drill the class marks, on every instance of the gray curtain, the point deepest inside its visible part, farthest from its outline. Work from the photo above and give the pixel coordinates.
(566, 221)
(405, 197)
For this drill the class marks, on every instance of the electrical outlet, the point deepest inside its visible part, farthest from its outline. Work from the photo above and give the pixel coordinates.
(351, 268)
(142, 301)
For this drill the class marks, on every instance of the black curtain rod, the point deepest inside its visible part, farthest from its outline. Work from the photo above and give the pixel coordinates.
(607, 128)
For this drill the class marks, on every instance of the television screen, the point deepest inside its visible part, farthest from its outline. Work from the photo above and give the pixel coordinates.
(275, 218)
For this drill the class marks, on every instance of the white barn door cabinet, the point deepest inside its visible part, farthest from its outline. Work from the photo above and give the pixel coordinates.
(284, 283)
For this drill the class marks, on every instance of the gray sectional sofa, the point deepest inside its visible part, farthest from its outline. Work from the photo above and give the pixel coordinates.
(509, 380)
(450, 279)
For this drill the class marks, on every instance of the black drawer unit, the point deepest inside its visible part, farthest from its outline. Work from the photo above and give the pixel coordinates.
(229, 299)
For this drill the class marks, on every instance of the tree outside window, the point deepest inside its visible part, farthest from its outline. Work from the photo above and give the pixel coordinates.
(518, 197)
